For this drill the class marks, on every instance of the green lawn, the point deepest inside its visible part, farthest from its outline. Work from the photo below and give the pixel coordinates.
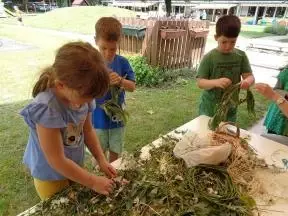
(247, 31)
(72, 19)
(154, 111)
(82, 20)
(254, 31)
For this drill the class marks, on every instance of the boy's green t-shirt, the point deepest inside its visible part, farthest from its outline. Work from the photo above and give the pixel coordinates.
(215, 65)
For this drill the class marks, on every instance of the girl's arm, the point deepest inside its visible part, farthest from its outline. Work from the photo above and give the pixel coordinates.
(52, 146)
(269, 93)
(279, 88)
(93, 144)
(283, 106)
(281, 80)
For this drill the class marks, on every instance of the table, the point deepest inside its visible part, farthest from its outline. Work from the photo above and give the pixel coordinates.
(265, 148)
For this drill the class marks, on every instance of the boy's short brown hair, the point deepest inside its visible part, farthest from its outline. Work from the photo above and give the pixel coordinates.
(108, 28)
(228, 26)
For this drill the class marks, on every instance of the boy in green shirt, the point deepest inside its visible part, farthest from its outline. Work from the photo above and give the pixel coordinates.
(222, 67)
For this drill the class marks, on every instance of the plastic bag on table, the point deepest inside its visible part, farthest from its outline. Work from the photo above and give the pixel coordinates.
(195, 150)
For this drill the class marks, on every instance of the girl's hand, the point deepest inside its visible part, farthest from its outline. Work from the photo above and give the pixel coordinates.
(266, 91)
(114, 78)
(108, 169)
(101, 184)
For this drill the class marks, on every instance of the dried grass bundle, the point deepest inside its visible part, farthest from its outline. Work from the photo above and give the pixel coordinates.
(242, 162)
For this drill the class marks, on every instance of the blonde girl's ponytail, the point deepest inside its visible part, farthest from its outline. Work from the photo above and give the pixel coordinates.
(44, 82)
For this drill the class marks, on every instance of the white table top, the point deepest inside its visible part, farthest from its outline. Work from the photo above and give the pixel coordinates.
(271, 151)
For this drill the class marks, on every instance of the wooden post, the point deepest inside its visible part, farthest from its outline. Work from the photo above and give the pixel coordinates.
(147, 40)
(184, 52)
(164, 48)
(174, 46)
(154, 44)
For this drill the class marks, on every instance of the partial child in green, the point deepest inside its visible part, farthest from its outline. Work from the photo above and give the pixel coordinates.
(222, 67)
(276, 122)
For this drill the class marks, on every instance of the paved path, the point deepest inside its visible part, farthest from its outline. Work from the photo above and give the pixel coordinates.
(271, 42)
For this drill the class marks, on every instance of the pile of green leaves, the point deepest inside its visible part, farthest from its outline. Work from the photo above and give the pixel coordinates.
(161, 185)
(230, 99)
(112, 107)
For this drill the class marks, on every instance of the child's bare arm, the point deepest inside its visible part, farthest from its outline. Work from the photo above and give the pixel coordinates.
(270, 94)
(128, 85)
(213, 83)
(93, 144)
(52, 146)
(247, 80)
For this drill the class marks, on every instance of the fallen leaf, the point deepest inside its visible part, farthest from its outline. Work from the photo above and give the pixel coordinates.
(150, 112)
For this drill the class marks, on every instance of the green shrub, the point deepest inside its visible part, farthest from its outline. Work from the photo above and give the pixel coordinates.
(276, 29)
(281, 30)
(145, 74)
(268, 29)
(148, 75)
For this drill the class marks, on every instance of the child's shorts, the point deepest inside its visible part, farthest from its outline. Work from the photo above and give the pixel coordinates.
(111, 139)
(46, 189)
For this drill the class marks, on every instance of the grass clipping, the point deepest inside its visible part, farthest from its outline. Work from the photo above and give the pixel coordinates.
(161, 185)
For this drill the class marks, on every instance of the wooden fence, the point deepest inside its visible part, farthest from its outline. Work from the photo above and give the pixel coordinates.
(171, 44)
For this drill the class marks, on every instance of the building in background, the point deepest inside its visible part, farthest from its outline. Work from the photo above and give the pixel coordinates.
(250, 12)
